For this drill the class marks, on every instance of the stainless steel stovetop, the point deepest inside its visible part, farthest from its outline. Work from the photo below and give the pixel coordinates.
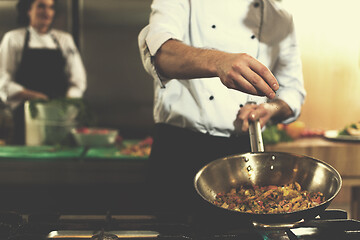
(333, 224)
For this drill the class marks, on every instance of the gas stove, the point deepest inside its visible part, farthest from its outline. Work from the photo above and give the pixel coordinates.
(332, 224)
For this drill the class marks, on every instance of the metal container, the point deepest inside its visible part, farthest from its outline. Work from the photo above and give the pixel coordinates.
(268, 168)
(95, 137)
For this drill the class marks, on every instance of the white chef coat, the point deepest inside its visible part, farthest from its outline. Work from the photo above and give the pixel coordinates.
(205, 104)
(11, 49)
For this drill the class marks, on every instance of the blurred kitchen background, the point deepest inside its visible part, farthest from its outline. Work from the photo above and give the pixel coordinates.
(120, 92)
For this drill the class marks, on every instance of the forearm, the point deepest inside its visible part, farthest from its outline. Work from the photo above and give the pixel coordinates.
(177, 60)
(280, 110)
(27, 94)
(77, 75)
(238, 71)
(77, 82)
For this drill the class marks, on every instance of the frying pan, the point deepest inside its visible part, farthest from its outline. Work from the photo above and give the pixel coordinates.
(268, 168)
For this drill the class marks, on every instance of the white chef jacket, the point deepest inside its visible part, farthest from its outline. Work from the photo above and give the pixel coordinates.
(11, 49)
(260, 28)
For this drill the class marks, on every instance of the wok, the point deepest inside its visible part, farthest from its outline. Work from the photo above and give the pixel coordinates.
(268, 168)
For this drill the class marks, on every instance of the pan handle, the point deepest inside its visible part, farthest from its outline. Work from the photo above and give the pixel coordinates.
(256, 140)
(278, 226)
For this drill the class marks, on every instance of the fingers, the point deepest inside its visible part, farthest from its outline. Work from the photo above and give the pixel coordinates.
(262, 81)
(265, 74)
(36, 95)
(43, 96)
(251, 112)
(245, 73)
(245, 114)
(239, 82)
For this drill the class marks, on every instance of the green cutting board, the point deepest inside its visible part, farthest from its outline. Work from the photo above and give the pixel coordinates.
(112, 153)
(40, 152)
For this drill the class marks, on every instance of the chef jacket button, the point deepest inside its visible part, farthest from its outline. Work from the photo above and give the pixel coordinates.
(256, 4)
(241, 105)
(253, 36)
(213, 26)
(211, 97)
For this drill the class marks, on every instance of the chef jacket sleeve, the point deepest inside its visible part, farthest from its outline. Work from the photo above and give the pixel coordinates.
(74, 68)
(168, 20)
(288, 72)
(10, 53)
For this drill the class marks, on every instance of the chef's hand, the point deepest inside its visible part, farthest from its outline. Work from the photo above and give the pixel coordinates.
(276, 110)
(237, 71)
(27, 94)
(245, 73)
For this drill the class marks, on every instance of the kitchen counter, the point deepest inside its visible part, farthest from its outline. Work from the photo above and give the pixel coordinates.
(343, 156)
(46, 165)
(71, 180)
(80, 178)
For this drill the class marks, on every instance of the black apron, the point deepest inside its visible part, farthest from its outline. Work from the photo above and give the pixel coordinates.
(41, 70)
(177, 155)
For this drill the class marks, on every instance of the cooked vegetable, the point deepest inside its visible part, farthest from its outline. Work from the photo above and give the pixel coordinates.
(140, 149)
(352, 129)
(269, 199)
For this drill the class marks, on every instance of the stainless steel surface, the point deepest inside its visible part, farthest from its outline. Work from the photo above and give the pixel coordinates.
(109, 31)
(256, 140)
(277, 226)
(268, 168)
(70, 234)
(7, 16)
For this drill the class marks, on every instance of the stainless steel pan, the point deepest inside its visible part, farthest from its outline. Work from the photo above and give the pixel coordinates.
(268, 168)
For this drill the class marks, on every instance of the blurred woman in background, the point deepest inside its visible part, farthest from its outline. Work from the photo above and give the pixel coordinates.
(38, 62)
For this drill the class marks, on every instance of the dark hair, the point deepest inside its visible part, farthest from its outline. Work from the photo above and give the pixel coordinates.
(23, 6)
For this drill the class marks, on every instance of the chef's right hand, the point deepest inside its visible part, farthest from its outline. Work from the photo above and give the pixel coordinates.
(244, 73)
(27, 94)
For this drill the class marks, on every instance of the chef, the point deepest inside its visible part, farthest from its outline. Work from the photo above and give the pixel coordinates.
(209, 60)
(38, 62)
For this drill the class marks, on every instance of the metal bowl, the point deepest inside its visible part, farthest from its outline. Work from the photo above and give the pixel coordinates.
(271, 168)
(94, 137)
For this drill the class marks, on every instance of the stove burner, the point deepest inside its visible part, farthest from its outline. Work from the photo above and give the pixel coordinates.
(104, 236)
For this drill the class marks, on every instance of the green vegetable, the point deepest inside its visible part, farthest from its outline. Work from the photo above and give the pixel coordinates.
(344, 130)
(272, 135)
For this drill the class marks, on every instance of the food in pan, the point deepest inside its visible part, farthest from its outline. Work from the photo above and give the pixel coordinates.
(352, 129)
(269, 199)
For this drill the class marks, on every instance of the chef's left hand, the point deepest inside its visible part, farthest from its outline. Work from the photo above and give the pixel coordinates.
(277, 110)
(252, 112)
